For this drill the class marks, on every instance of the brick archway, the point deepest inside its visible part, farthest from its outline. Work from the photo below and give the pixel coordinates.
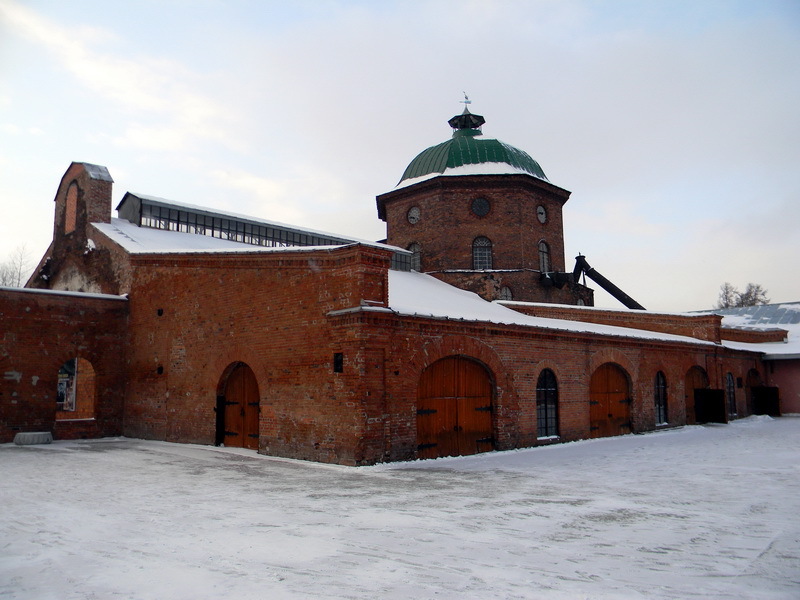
(458, 345)
(696, 379)
(76, 391)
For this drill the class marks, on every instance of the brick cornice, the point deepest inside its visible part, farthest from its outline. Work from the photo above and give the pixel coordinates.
(446, 183)
(441, 326)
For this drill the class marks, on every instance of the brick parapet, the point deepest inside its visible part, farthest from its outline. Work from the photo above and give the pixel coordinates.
(701, 327)
(754, 336)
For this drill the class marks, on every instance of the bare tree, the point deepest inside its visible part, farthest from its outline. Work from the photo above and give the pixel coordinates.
(753, 295)
(727, 296)
(14, 272)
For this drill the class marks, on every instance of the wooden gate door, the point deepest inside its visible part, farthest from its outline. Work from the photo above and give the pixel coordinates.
(696, 379)
(241, 401)
(766, 401)
(609, 402)
(474, 408)
(454, 409)
(710, 406)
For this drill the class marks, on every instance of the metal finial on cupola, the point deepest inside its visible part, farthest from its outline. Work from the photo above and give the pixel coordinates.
(466, 120)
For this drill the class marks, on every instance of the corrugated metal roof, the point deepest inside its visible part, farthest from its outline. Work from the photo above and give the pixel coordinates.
(786, 313)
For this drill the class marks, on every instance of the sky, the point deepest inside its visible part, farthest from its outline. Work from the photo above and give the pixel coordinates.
(673, 123)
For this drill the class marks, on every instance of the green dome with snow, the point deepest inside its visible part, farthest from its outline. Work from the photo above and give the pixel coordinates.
(467, 153)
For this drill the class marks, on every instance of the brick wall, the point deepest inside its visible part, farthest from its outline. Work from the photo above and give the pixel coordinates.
(515, 357)
(522, 283)
(192, 316)
(785, 374)
(40, 332)
(286, 314)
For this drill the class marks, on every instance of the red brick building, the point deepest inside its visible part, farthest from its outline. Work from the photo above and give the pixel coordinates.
(185, 324)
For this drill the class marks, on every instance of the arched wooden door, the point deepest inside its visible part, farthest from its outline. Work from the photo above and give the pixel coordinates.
(454, 409)
(609, 402)
(238, 409)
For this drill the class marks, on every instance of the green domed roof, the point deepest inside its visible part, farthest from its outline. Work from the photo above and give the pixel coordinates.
(488, 156)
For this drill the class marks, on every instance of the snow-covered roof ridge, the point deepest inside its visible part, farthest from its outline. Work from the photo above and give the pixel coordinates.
(577, 307)
(65, 293)
(417, 294)
(751, 327)
(145, 240)
(250, 218)
(488, 168)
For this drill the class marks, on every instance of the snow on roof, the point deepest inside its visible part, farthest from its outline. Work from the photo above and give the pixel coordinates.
(788, 350)
(488, 168)
(417, 294)
(97, 171)
(584, 308)
(767, 316)
(787, 313)
(144, 240)
(64, 293)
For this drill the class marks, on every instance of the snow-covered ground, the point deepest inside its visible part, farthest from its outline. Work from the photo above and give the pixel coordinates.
(696, 512)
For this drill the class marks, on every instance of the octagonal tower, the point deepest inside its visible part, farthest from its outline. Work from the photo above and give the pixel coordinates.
(480, 214)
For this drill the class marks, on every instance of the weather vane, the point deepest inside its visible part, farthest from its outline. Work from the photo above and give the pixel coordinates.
(466, 100)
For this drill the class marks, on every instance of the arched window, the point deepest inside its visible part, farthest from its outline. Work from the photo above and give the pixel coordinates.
(505, 293)
(71, 208)
(546, 405)
(481, 253)
(544, 257)
(661, 398)
(730, 392)
(416, 256)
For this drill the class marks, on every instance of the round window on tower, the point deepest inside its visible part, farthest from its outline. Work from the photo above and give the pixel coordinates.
(413, 215)
(481, 207)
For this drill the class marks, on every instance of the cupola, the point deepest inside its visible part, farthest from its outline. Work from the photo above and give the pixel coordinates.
(468, 152)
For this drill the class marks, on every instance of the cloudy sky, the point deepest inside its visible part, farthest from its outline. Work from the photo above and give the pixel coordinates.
(675, 124)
